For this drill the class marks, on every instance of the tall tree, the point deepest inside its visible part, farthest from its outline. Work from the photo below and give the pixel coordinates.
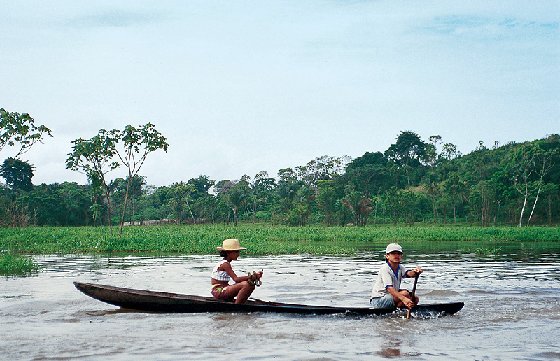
(358, 204)
(321, 168)
(369, 173)
(329, 194)
(95, 158)
(118, 188)
(180, 201)
(238, 196)
(263, 194)
(133, 146)
(203, 203)
(20, 130)
(529, 165)
(409, 153)
(288, 184)
(223, 204)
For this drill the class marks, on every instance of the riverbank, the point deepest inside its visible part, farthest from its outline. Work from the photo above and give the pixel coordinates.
(263, 239)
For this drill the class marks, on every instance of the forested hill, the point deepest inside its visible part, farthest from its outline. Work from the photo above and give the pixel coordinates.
(412, 181)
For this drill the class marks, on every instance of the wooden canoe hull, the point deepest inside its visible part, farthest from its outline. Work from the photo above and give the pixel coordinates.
(154, 301)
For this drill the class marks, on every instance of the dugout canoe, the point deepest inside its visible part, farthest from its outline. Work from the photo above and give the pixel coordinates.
(166, 302)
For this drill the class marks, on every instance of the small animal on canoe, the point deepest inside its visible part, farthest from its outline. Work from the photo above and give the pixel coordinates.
(223, 273)
(386, 292)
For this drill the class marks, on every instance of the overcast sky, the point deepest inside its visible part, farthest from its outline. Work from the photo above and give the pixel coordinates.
(239, 87)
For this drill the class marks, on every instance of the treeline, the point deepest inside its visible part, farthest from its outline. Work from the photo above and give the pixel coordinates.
(412, 181)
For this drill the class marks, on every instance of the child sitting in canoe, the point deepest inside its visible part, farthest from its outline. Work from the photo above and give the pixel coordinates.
(386, 292)
(223, 273)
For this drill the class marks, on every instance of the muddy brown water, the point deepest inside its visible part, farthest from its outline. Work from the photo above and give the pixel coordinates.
(512, 311)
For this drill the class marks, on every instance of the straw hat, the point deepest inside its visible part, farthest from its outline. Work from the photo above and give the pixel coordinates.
(231, 244)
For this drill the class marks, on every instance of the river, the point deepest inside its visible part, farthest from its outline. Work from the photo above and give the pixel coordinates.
(512, 311)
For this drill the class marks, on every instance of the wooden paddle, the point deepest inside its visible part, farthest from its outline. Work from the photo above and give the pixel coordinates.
(412, 294)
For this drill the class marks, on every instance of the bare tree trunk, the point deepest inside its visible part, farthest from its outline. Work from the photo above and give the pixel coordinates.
(543, 171)
(190, 211)
(497, 213)
(124, 206)
(534, 205)
(523, 208)
(109, 207)
(454, 213)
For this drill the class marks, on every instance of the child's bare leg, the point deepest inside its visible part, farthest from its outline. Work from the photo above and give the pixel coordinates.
(231, 291)
(244, 292)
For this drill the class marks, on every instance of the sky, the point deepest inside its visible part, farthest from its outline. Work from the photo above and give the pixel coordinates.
(240, 87)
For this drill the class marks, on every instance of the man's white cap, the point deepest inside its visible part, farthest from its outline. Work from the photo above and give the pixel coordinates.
(392, 247)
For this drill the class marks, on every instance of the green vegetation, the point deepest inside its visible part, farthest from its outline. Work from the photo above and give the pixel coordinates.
(412, 182)
(264, 239)
(109, 150)
(14, 265)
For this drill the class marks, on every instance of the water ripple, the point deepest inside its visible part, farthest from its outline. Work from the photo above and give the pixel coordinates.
(45, 317)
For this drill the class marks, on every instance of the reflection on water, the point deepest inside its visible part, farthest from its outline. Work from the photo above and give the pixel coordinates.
(45, 317)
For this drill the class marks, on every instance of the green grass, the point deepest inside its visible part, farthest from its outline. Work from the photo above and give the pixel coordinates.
(14, 265)
(261, 239)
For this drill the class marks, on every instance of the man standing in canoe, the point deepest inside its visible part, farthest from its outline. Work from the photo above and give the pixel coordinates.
(386, 292)
(223, 273)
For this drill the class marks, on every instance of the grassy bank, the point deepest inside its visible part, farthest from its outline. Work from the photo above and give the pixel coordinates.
(266, 239)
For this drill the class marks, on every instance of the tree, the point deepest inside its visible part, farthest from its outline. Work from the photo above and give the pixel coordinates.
(155, 203)
(288, 184)
(369, 173)
(405, 205)
(238, 196)
(223, 204)
(59, 204)
(263, 188)
(135, 192)
(20, 129)
(321, 168)
(358, 204)
(328, 199)
(133, 146)
(94, 157)
(201, 185)
(529, 164)
(409, 153)
(455, 193)
(449, 152)
(118, 191)
(17, 174)
(180, 200)
(203, 203)
(301, 208)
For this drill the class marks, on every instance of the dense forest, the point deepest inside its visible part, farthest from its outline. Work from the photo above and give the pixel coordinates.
(414, 180)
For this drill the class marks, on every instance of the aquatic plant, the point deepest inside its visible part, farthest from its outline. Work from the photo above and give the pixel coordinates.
(263, 239)
(15, 265)
(487, 251)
